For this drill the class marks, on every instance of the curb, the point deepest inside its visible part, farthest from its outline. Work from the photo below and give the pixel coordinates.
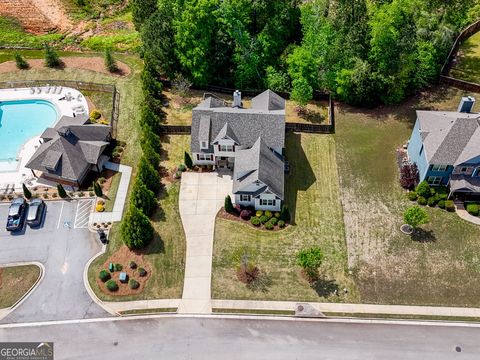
(8, 310)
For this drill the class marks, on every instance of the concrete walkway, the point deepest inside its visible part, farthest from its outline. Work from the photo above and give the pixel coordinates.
(349, 308)
(201, 196)
(463, 214)
(118, 206)
(119, 306)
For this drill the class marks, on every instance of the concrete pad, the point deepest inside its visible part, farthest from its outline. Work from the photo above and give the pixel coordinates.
(190, 178)
(198, 225)
(188, 192)
(200, 266)
(200, 245)
(207, 207)
(195, 307)
(208, 193)
(197, 288)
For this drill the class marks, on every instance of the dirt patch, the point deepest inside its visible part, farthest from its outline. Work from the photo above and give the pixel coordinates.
(53, 11)
(86, 63)
(123, 256)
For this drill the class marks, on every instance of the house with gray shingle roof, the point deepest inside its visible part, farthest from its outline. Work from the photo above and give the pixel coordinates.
(70, 150)
(249, 141)
(445, 145)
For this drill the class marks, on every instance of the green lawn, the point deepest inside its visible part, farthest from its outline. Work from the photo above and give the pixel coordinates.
(440, 268)
(312, 193)
(12, 33)
(468, 66)
(15, 281)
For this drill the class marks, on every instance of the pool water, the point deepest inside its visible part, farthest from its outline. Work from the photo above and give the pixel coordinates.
(20, 121)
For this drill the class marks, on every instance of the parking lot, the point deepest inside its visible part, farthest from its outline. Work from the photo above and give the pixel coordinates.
(63, 245)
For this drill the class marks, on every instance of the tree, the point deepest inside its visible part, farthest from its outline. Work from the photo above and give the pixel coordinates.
(61, 191)
(142, 198)
(423, 190)
(141, 11)
(26, 192)
(187, 159)
(181, 85)
(51, 57)
(136, 230)
(110, 63)
(97, 189)
(150, 85)
(149, 137)
(302, 92)
(228, 205)
(277, 80)
(310, 260)
(150, 118)
(148, 175)
(20, 62)
(150, 154)
(284, 213)
(415, 216)
(409, 176)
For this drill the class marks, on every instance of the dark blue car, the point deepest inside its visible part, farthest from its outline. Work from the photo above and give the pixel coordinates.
(16, 214)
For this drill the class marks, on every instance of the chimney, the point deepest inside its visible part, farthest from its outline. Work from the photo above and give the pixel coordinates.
(466, 104)
(237, 99)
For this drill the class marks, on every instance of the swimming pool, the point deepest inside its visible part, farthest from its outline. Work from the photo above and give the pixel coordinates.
(20, 121)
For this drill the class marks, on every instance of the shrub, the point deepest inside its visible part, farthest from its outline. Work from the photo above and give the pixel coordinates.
(432, 201)
(228, 205)
(101, 180)
(281, 224)
(442, 196)
(449, 205)
(101, 202)
(61, 191)
(134, 284)
(100, 208)
(20, 62)
(187, 159)
(148, 175)
(255, 221)
(90, 193)
(104, 275)
(421, 200)
(181, 168)
(441, 204)
(132, 265)
(285, 214)
(415, 216)
(118, 267)
(259, 213)
(136, 229)
(142, 272)
(143, 198)
(310, 259)
(112, 285)
(423, 190)
(27, 193)
(273, 221)
(97, 189)
(263, 219)
(412, 195)
(51, 57)
(150, 154)
(110, 63)
(95, 114)
(268, 214)
(45, 196)
(245, 214)
(177, 175)
(269, 226)
(473, 209)
(409, 176)
(277, 214)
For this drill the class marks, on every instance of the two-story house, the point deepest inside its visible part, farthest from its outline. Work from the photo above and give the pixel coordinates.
(445, 145)
(222, 135)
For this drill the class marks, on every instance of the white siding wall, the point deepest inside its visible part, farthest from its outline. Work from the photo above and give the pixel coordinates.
(202, 162)
(276, 207)
(224, 153)
(244, 203)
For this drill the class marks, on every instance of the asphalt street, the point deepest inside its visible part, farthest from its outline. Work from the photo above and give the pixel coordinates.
(206, 338)
(63, 245)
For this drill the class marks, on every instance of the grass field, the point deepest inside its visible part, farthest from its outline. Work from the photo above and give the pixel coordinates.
(15, 282)
(312, 193)
(440, 268)
(12, 33)
(468, 65)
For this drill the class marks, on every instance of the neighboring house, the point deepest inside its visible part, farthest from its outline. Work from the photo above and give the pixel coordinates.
(445, 145)
(70, 151)
(249, 140)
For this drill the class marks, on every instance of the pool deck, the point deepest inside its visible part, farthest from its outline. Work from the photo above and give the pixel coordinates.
(67, 102)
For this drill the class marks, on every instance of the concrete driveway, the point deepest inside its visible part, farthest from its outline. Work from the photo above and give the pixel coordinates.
(201, 196)
(63, 248)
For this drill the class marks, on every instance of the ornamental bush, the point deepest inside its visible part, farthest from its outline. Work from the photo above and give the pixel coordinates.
(421, 200)
(132, 265)
(100, 208)
(263, 219)
(268, 214)
(112, 285)
(181, 168)
(133, 284)
(97, 189)
(136, 229)
(245, 214)
(142, 272)
(273, 221)
(281, 224)
(143, 198)
(20, 62)
(473, 209)
(269, 226)
(228, 205)
(104, 275)
(259, 213)
(255, 221)
(415, 216)
(277, 214)
(423, 190)
(285, 214)
(61, 191)
(26, 192)
(187, 159)
(110, 63)
(310, 259)
(441, 204)
(95, 114)
(432, 201)
(408, 176)
(449, 205)
(117, 267)
(148, 175)
(51, 57)
(412, 196)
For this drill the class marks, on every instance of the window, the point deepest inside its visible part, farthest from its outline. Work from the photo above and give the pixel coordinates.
(476, 172)
(440, 168)
(265, 202)
(463, 169)
(227, 148)
(204, 157)
(245, 198)
(434, 180)
(421, 151)
(204, 145)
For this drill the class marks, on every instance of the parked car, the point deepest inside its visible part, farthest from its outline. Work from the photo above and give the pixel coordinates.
(102, 236)
(16, 214)
(35, 212)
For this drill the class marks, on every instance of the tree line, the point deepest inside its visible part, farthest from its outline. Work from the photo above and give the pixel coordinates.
(363, 51)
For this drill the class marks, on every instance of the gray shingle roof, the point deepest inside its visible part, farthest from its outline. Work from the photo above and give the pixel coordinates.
(258, 163)
(51, 159)
(268, 101)
(226, 131)
(463, 182)
(449, 138)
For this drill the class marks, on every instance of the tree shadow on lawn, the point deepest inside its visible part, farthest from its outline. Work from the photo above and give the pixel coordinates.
(324, 287)
(423, 236)
(156, 246)
(301, 175)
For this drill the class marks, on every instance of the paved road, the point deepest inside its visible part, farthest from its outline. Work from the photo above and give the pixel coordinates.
(63, 250)
(203, 338)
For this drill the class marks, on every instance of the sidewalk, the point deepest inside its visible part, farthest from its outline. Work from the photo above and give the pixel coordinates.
(463, 214)
(118, 206)
(142, 304)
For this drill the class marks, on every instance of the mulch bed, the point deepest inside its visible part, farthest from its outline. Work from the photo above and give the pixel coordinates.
(123, 256)
(225, 215)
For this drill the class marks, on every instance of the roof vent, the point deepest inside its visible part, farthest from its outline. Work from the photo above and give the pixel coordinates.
(466, 104)
(237, 99)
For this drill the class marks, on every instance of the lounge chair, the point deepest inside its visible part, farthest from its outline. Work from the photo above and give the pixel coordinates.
(60, 89)
(5, 188)
(54, 89)
(79, 97)
(32, 91)
(39, 90)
